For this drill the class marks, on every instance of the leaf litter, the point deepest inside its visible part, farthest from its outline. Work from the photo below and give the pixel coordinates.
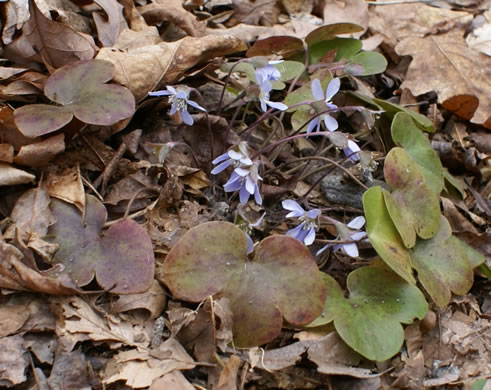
(152, 277)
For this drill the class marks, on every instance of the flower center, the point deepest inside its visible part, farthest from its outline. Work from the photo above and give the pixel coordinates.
(181, 104)
(307, 222)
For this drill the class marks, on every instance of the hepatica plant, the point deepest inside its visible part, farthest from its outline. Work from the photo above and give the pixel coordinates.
(77, 90)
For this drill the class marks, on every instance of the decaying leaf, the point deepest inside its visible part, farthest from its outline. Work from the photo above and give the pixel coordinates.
(211, 259)
(10, 176)
(81, 90)
(13, 361)
(50, 42)
(121, 260)
(445, 264)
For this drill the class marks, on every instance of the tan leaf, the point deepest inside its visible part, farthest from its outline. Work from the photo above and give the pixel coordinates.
(152, 301)
(109, 26)
(140, 368)
(146, 68)
(351, 11)
(38, 154)
(228, 376)
(10, 176)
(31, 215)
(12, 318)
(66, 184)
(6, 153)
(15, 12)
(13, 361)
(46, 41)
(172, 11)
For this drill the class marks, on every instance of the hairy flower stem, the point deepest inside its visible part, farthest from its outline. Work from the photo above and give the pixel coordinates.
(219, 109)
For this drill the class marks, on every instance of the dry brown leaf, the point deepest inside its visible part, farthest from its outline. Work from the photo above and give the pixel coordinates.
(249, 33)
(6, 153)
(109, 26)
(79, 317)
(31, 215)
(173, 380)
(140, 368)
(42, 345)
(16, 13)
(228, 376)
(10, 134)
(460, 76)
(172, 11)
(298, 6)
(69, 371)
(254, 12)
(38, 154)
(12, 318)
(49, 42)
(146, 68)
(152, 301)
(347, 11)
(10, 176)
(66, 184)
(13, 361)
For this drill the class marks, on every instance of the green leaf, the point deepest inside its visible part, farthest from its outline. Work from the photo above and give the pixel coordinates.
(443, 265)
(82, 91)
(405, 133)
(121, 260)
(281, 281)
(371, 62)
(329, 31)
(289, 69)
(391, 109)
(452, 185)
(412, 205)
(284, 46)
(369, 321)
(383, 234)
(345, 48)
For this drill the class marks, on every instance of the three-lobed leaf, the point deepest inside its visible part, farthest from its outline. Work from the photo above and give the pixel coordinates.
(369, 321)
(81, 90)
(121, 260)
(282, 280)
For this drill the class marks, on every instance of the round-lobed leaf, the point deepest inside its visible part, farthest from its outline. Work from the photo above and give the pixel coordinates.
(384, 236)
(391, 109)
(284, 46)
(369, 321)
(281, 281)
(121, 260)
(371, 62)
(329, 31)
(345, 48)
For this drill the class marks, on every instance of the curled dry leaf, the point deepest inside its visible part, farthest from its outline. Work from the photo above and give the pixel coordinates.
(10, 176)
(142, 69)
(49, 42)
(38, 154)
(109, 26)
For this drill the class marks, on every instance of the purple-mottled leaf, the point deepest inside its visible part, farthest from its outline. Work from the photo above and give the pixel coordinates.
(285, 46)
(121, 259)
(329, 31)
(81, 90)
(38, 119)
(211, 259)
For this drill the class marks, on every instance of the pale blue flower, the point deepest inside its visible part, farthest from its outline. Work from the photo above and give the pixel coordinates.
(263, 78)
(248, 231)
(267, 73)
(352, 150)
(234, 157)
(179, 98)
(245, 179)
(349, 232)
(331, 90)
(304, 232)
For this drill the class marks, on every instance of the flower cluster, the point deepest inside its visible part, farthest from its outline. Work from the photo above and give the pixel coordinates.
(179, 99)
(245, 176)
(305, 231)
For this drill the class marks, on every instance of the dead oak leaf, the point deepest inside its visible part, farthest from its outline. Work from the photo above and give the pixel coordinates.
(459, 75)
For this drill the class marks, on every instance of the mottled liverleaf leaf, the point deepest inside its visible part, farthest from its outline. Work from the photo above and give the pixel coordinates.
(284, 46)
(121, 259)
(370, 61)
(281, 281)
(383, 234)
(405, 133)
(330, 31)
(369, 321)
(81, 90)
(413, 206)
(445, 264)
(345, 48)
(391, 109)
